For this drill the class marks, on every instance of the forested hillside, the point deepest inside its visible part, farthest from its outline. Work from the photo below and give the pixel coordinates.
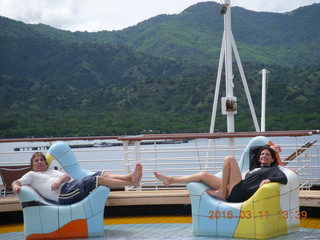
(158, 75)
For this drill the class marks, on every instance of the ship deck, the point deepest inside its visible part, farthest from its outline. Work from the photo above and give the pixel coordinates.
(163, 214)
(161, 227)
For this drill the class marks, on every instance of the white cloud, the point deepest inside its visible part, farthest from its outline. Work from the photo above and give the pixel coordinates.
(96, 15)
(55, 12)
(273, 5)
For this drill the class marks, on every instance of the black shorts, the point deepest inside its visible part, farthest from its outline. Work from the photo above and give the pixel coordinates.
(76, 190)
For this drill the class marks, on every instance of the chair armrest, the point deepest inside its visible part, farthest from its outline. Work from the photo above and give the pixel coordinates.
(196, 188)
(266, 191)
(29, 194)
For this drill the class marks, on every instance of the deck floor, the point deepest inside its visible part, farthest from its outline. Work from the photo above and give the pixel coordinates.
(161, 227)
(153, 226)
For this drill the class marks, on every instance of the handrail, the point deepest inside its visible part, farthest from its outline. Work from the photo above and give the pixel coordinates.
(293, 133)
(299, 151)
(296, 133)
(51, 139)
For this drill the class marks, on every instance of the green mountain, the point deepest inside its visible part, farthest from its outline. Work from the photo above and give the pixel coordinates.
(158, 75)
(195, 35)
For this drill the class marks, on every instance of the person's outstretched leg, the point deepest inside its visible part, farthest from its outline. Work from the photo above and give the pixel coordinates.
(207, 178)
(133, 176)
(117, 180)
(231, 175)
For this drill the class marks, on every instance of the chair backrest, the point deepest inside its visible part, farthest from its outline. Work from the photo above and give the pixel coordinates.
(244, 163)
(67, 159)
(11, 173)
(249, 158)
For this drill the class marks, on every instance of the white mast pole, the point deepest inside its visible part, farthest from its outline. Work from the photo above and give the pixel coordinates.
(228, 47)
(228, 63)
(226, 55)
(264, 73)
(229, 72)
(229, 103)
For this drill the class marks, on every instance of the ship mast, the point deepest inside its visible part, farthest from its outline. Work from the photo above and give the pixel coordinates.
(229, 102)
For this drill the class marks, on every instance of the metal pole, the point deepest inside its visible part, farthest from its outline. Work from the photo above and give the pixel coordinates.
(245, 85)
(228, 63)
(264, 73)
(229, 72)
(216, 94)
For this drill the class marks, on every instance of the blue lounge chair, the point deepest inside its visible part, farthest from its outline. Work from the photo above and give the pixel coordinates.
(45, 219)
(273, 210)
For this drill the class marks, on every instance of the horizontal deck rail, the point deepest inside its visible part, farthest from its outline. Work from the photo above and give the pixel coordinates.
(54, 139)
(294, 133)
(219, 135)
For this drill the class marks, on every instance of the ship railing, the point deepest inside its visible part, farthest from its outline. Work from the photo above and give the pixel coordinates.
(206, 152)
(171, 154)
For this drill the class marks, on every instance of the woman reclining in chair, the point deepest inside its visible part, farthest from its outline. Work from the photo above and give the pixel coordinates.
(232, 187)
(56, 186)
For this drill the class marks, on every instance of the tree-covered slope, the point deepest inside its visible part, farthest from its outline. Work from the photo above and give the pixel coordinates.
(158, 75)
(195, 35)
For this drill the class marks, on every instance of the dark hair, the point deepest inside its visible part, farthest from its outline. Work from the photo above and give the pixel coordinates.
(272, 152)
(34, 156)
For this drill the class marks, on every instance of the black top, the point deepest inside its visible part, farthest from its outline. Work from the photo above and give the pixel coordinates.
(250, 184)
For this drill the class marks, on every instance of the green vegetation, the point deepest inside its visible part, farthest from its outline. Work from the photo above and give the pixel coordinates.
(158, 75)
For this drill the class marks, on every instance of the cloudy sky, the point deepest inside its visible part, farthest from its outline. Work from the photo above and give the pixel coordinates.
(97, 15)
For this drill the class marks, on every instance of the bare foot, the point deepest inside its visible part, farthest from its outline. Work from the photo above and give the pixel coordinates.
(163, 178)
(216, 193)
(137, 175)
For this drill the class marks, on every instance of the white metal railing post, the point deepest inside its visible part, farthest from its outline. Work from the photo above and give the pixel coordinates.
(137, 152)
(126, 158)
(198, 156)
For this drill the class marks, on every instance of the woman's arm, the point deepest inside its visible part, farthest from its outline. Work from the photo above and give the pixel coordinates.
(279, 177)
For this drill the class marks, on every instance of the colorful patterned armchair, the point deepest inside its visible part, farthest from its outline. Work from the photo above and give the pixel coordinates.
(44, 219)
(273, 210)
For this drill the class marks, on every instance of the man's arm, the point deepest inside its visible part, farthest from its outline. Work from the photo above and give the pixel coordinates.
(64, 178)
(16, 187)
